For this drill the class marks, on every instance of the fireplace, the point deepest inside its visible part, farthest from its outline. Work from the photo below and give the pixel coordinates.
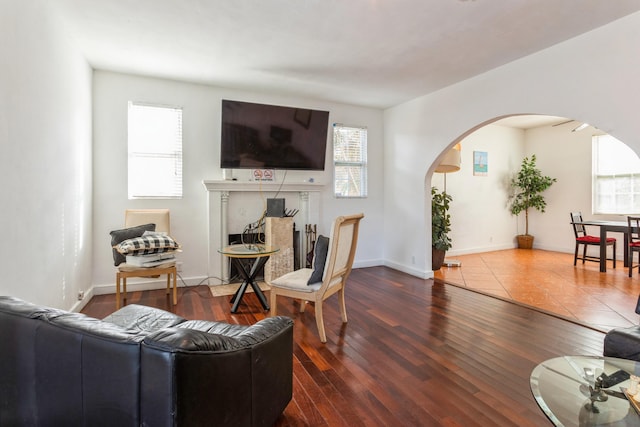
(235, 239)
(220, 192)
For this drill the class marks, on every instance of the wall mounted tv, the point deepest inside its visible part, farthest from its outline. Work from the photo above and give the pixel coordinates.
(258, 136)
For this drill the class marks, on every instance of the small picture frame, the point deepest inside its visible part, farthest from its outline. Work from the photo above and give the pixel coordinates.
(480, 163)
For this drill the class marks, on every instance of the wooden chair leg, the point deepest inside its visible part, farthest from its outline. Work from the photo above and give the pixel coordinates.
(320, 321)
(343, 306)
(117, 291)
(575, 255)
(175, 287)
(614, 254)
(584, 254)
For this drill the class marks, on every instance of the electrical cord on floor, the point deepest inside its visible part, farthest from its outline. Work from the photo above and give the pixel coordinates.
(255, 228)
(194, 288)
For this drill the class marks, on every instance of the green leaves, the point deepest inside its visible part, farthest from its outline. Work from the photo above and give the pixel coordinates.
(527, 185)
(440, 219)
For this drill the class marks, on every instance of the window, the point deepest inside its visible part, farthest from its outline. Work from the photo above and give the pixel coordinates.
(155, 152)
(350, 161)
(616, 177)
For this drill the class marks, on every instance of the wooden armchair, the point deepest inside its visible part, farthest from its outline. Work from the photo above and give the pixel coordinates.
(161, 219)
(331, 275)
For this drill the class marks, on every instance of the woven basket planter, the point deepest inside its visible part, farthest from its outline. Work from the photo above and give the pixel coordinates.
(525, 241)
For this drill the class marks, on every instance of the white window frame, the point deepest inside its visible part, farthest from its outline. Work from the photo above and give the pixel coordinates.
(154, 151)
(615, 177)
(349, 161)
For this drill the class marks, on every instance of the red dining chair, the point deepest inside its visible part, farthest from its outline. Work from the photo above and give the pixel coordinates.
(634, 241)
(582, 238)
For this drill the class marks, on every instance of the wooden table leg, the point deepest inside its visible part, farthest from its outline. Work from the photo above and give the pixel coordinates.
(603, 249)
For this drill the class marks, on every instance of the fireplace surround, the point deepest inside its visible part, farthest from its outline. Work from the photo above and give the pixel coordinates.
(219, 194)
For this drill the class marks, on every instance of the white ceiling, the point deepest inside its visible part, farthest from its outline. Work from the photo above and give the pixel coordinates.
(374, 53)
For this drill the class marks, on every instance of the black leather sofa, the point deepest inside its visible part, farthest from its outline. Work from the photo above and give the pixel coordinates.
(624, 343)
(140, 366)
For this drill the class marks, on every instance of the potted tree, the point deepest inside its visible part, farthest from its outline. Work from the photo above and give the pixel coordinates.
(440, 227)
(528, 186)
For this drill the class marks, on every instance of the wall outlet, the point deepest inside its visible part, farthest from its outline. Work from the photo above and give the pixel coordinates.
(179, 266)
(80, 295)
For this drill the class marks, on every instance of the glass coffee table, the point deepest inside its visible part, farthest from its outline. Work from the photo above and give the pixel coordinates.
(569, 390)
(260, 253)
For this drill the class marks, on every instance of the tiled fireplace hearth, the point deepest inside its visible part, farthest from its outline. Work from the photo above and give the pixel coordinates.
(219, 195)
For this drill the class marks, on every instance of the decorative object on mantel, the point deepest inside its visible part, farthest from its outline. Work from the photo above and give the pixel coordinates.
(527, 187)
(221, 195)
(268, 175)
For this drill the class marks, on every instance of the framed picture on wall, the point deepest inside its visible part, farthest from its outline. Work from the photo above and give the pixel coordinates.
(480, 163)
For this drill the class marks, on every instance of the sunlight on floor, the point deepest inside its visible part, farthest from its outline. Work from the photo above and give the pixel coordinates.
(549, 281)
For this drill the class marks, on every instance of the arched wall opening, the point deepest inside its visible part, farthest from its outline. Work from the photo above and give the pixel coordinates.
(480, 216)
(565, 80)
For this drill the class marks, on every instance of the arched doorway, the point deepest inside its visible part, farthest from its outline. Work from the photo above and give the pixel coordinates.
(490, 155)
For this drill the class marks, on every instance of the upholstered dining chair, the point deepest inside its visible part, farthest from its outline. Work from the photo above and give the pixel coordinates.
(140, 218)
(582, 238)
(634, 241)
(328, 275)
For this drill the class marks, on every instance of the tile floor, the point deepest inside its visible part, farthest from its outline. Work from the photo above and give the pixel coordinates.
(549, 281)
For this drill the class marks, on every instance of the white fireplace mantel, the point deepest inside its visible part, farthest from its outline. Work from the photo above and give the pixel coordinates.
(257, 186)
(219, 193)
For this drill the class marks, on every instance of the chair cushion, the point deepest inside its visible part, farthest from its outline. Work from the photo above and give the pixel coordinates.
(119, 236)
(147, 244)
(634, 244)
(297, 280)
(319, 259)
(593, 239)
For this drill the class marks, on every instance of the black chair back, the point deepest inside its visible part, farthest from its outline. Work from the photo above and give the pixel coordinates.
(578, 229)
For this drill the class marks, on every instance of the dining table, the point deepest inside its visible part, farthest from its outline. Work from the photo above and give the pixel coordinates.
(605, 227)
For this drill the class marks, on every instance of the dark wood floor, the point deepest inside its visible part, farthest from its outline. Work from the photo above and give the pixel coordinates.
(414, 353)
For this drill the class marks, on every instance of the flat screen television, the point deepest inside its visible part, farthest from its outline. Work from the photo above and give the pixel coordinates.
(256, 136)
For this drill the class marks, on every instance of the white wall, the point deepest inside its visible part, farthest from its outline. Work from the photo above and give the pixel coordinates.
(590, 78)
(480, 220)
(45, 141)
(45, 138)
(480, 217)
(201, 148)
(566, 156)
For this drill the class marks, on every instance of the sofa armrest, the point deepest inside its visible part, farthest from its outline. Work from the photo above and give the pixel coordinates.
(201, 335)
(264, 329)
(140, 318)
(623, 343)
(181, 339)
(248, 373)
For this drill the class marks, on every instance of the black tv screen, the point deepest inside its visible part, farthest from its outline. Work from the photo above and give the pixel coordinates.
(258, 136)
